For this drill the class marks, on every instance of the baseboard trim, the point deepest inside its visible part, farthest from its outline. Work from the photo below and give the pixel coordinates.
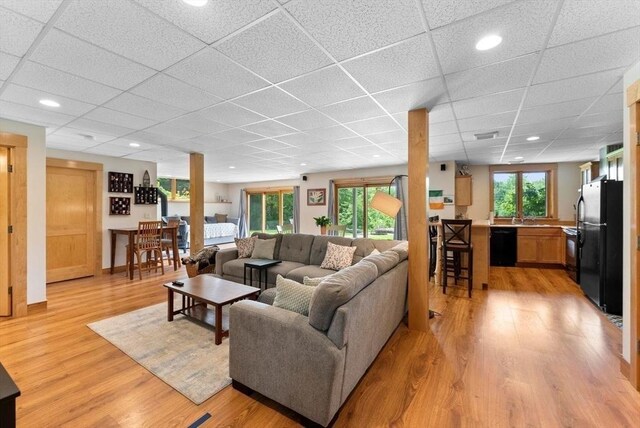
(625, 368)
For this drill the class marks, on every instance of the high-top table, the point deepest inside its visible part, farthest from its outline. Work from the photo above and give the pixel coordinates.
(8, 394)
(131, 232)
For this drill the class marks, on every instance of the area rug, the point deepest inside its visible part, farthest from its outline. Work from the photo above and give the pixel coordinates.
(182, 353)
(615, 319)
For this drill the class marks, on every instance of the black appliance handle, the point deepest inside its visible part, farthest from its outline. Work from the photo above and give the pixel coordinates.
(579, 235)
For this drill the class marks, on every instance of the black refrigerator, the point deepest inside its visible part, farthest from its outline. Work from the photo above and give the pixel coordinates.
(599, 224)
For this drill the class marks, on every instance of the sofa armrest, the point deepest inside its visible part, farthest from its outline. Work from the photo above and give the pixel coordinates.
(277, 353)
(224, 256)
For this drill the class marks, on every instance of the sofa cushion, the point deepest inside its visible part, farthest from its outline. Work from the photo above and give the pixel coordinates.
(364, 247)
(402, 249)
(319, 247)
(281, 269)
(236, 268)
(338, 289)
(263, 249)
(245, 246)
(312, 271)
(267, 296)
(276, 236)
(337, 257)
(296, 247)
(292, 296)
(385, 244)
(384, 261)
(210, 219)
(313, 282)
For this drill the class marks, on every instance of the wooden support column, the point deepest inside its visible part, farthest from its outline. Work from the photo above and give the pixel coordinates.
(196, 202)
(418, 170)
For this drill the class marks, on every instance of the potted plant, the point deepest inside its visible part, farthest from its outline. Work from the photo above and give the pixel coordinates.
(323, 222)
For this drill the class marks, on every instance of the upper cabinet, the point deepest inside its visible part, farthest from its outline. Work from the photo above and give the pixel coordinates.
(614, 165)
(589, 171)
(464, 197)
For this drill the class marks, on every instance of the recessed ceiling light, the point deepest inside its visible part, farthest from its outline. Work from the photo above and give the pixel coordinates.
(303, 164)
(488, 42)
(533, 138)
(232, 167)
(518, 158)
(218, 181)
(196, 3)
(134, 145)
(376, 156)
(49, 103)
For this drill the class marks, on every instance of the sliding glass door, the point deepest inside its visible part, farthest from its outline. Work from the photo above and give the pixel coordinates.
(269, 209)
(352, 210)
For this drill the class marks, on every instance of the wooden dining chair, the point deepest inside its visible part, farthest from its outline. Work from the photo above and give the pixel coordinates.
(148, 241)
(167, 243)
(336, 230)
(456, 237)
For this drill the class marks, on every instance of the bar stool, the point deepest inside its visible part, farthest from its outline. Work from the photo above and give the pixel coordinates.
(433, 244)
(457, 241)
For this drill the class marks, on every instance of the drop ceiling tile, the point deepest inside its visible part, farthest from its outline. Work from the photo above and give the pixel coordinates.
(31, 97)
(155, 139)
(173, 130)
(408, 62)
(270, 144)
(17, 32)
(390, 136)
(326, 86)
(374, 125)
(270, 128)
(300, 139)
(271, 102)
(490, 104)
(275, 49)
(67, 53)
(616, 137)
(487, 123)
(591, 85)
(217, 74)
(583, 19)
(614, 117)
(306, 120)
(7, 64)
(231, 114)
(608, 103)
(591, 131)
(172, 156)
(351, 143)
(442, 128)
(33, 115)
(60, 144)
(214, 20)
(426, 93)
(144, 107)
(443, 12)
(332, 133)
(402, 118)
(208, 143)
(352, 110)
(347, 29)
(126, 142)
(40, 10)
(197, 122)
(47, 79)
(168, 90)
(550, 128)
(237, 136)
(78, 137)
(554, 111)
(92, 126)
(114, 117)
(108, 149)
(503, 132)
(493, 78)
(522, 25)
(615, 50)
(129, 30)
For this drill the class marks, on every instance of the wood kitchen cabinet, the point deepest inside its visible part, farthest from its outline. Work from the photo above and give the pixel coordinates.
(541, 245)
(464, 195)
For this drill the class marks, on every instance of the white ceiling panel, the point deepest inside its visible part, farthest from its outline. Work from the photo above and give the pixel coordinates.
(237, 136)
(167, 90)
(615, 137)
(403, 63)
(270, 144)
(608, 103)
(389, 137)
(326, 86)
(499, 77)
(374, 125)
(331, 134)
(554, 111)
(17, 32)
(588, 56)
(487, 123)
(7, 64)
(214, 72)
(357, 26)
(60, 83)
(207, 143)
(91, 126)
(300, 139)
(108, 149)
(33, 115)
(441, 113)
(522, 26)
(214, 20)
(197, 122)
(503, 132)
(173, 157)
(155, 139)
(351, 143)
(443, 12)
(426, 93)
(275, 49)
(581, 19)
(615, 117)
(490, 104)
(172, 130)
(125, 142)
(114, 117)
(271, 102)
(231, 114)
(67, 53)
(442, 128)
(32, 97)
(310, 119)
(352, 110)
(70, 142)
(144, 107)
(40, 10)
(129, 30)
(590, 131)
(549, 128)
(270, 128)
(73, 136)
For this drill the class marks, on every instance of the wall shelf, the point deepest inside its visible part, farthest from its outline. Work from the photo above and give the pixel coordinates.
(146, 195)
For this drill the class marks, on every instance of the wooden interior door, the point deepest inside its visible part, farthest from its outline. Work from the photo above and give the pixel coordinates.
(5, 261)
(71, 215)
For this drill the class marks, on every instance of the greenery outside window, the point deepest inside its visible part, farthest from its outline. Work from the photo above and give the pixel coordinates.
(269, 208)
(524, 191)
(176, 189)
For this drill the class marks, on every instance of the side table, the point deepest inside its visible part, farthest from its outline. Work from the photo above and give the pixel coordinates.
(261, 265)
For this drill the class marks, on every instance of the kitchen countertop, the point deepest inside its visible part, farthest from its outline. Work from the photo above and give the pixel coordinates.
(537, 226)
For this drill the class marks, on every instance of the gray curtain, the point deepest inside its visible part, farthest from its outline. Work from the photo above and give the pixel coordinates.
(400, 229)
(330, 211)
(296, 209)
(242, 215)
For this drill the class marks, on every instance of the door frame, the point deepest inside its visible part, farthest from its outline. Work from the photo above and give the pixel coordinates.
(633, 103)
(97, 169)
(17, 145)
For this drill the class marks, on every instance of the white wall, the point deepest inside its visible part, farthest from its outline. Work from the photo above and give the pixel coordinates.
(445, 181)
(630, 76)
(212, 193)
(36, 195)
(138, 212)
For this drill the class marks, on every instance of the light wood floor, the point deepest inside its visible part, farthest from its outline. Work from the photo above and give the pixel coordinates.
(529, 352)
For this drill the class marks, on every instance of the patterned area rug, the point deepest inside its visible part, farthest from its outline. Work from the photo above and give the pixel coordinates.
(615, 319)
(182, 353)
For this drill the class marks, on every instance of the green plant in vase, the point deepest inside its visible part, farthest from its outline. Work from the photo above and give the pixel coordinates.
(323, 222)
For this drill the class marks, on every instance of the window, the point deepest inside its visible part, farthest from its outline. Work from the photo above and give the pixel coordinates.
(527, 191)
(174, 188)
(352, 209)
(269, 208)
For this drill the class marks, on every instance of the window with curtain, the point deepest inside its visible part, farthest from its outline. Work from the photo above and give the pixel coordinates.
(524, 192)
(352, 209)
(269, 208)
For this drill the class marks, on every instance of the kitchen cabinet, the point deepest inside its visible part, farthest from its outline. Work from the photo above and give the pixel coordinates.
(464, 195)
(589, 171)
(541, 245)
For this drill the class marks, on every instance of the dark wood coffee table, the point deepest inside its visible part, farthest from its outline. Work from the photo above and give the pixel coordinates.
(261, 265)
(203, 290)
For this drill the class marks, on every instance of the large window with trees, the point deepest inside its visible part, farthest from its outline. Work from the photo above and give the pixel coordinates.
(174, 188)
(524, 191)
(269, 208)
(352, 209)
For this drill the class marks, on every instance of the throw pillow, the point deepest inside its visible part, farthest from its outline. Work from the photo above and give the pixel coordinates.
(313, 282)
(245, 246)
(374, 252)
(221, 218)
(292, 296)
(263, 249)
(338, 256)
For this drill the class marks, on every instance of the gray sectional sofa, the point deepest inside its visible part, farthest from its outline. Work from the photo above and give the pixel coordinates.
(311, 364)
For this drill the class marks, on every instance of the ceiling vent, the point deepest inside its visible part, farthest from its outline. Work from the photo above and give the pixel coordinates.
(486, 135)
